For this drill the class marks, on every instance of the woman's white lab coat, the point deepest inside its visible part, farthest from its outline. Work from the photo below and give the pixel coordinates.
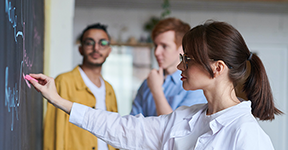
(236, 129)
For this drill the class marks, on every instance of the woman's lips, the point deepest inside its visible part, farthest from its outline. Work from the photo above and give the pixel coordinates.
(183, 78)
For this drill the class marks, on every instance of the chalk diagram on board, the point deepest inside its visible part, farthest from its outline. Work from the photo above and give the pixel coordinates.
(13, 90)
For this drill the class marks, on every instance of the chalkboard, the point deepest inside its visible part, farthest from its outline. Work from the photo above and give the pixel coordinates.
(21, 52)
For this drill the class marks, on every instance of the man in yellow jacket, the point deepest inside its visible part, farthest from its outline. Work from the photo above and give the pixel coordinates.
(85, 85)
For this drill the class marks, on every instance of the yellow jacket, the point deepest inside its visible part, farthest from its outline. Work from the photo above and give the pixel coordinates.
(59, 134)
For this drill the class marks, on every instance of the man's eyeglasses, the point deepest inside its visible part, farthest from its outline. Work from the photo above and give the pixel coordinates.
(90, 44)
(185, 58)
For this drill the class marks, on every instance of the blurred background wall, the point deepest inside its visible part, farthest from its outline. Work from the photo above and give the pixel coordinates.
(263, 24)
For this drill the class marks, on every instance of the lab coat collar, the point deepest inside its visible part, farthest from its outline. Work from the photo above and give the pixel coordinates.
(233, 114)
(182, 129)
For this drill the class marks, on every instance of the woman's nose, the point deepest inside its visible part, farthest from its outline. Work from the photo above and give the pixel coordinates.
(180, 66)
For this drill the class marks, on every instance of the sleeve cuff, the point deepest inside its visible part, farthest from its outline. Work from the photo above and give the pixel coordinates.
(77, 114)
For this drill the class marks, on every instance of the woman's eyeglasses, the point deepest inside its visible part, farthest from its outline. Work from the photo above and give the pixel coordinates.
(185, 58)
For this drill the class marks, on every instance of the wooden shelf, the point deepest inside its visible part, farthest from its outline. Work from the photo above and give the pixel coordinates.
(133, 45)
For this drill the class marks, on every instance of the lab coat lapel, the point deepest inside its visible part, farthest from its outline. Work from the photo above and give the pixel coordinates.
(186, 124)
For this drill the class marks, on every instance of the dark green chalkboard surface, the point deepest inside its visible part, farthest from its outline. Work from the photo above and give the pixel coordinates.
(21, 52)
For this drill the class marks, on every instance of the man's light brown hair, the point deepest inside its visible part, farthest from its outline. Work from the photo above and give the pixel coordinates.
(171, 24)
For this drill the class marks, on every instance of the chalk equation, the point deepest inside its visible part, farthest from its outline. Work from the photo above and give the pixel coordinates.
(12, 96)
(13, 90)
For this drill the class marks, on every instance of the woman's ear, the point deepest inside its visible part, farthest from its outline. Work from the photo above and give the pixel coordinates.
(218, 68)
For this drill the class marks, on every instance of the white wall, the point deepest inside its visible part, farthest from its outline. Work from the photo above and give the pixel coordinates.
(274, 57)
(58, 40)
(58, 36)
(117, 19)
(265, 33)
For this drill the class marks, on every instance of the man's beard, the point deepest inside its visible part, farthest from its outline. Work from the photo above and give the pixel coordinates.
(96, 64)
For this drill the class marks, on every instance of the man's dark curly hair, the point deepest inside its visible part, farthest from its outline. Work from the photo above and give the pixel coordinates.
(94, 26)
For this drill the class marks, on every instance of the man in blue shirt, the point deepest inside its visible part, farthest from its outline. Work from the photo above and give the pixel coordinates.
(162, 91)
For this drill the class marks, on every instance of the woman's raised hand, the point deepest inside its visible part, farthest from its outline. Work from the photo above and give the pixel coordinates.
(46, 86)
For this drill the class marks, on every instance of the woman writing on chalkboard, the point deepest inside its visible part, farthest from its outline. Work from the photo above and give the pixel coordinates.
(215, 58)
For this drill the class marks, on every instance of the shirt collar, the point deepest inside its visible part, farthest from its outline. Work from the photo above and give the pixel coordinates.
(231, 115)
(223, 120)
(80, 85)
(241, 109)
(175, 77)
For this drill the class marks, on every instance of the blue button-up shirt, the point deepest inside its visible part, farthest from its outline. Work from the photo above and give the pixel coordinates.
(174, 93)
